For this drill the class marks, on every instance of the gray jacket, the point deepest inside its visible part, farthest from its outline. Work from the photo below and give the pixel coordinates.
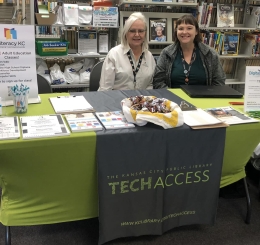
(210, 59)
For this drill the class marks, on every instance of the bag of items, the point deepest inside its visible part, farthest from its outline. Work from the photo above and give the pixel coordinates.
(142, 109)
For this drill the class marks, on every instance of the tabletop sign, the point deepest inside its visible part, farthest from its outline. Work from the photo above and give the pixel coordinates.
(17, 60)
(252, 89)
(105, 17)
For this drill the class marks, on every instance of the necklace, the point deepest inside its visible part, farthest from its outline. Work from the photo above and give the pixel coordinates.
(187, 70)
(135, 70)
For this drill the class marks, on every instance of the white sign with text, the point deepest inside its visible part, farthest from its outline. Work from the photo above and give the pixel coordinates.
(17, 60)
(252, 89)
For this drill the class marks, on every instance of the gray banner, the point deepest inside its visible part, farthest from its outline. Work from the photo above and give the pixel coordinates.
(151, 179)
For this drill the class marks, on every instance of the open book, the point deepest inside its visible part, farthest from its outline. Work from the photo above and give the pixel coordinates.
(229, 115)
(70, 104)
(83, 122)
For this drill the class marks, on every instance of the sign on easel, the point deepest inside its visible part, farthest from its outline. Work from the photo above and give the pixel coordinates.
(17, 61)
(252, 89)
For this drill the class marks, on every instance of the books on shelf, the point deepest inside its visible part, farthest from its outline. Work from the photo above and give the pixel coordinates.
(158, 30)
(204, 14)
(225, 15)
(9, 128)
(70, 104)
(229, 115)
(230, 43)
(83, 122)
(43, 126)
(114, 120)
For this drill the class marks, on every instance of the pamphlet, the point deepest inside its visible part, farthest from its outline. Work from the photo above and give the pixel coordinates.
(70, 104)
(229, 115)
(43, 126)
(83, 122)
(9, 128)
(114, 120)
(252, 89)
(87, 42)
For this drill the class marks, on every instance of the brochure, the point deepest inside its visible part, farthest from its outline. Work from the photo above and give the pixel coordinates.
(43, 126)
(83, 122)
(114, 120)
(9, 128)
(230, 116)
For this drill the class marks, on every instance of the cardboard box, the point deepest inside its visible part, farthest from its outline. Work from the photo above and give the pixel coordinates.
(45, 19)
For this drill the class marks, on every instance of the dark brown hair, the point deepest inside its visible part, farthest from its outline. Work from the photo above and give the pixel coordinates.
(187, 19)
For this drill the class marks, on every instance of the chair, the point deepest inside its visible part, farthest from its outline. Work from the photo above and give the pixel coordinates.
(95, 76)
(43, 85)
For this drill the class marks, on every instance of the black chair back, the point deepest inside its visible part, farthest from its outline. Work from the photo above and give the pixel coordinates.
(94, 77)
(43, 85)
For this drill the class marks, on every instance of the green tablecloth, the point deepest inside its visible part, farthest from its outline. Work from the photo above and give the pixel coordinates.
(241, 139)
(52, 180)
(48, 180)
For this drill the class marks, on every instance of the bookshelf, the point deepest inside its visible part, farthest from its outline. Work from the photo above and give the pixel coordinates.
(244, 23)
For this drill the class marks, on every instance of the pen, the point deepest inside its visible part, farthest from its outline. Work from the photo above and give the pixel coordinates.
(236, 103)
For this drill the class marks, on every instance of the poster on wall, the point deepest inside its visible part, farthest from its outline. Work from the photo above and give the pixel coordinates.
(17, 61)
(105, 17)
(252, 89)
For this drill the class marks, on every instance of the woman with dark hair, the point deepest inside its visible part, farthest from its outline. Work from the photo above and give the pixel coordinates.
(188, 60)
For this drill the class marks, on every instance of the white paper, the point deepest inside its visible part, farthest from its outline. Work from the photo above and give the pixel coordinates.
(103, 43)
(70, 104)
(252, 89)
(9, 128)
(87, 42)
(43, 126)
(199, 118)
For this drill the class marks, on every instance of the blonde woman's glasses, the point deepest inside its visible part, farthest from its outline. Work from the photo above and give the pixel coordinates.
(133, 31)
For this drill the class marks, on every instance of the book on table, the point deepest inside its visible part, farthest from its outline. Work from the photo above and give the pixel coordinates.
(83, 122)
(114, 120)
(229, 115)
(43, 126)
(70, 104)
(9, 128)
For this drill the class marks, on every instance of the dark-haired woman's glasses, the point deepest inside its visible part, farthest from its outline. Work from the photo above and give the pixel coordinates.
(133, 31)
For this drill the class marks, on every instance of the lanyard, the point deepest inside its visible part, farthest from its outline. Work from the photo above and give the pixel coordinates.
(132, 64)
(187, 71)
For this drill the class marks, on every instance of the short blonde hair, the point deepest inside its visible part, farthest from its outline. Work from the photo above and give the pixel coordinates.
(132, 18)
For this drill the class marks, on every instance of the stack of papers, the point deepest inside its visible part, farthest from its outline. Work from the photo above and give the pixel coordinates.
(229, 115)
(201, 119)
(9, 128)
(43, 126)
(114, 120)
(70, 104)
(83, 122)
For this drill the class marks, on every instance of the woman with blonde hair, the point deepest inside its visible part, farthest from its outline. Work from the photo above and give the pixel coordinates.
(129, 65)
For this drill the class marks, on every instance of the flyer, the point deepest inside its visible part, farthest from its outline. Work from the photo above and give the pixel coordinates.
(17, 60)
(252, 89)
